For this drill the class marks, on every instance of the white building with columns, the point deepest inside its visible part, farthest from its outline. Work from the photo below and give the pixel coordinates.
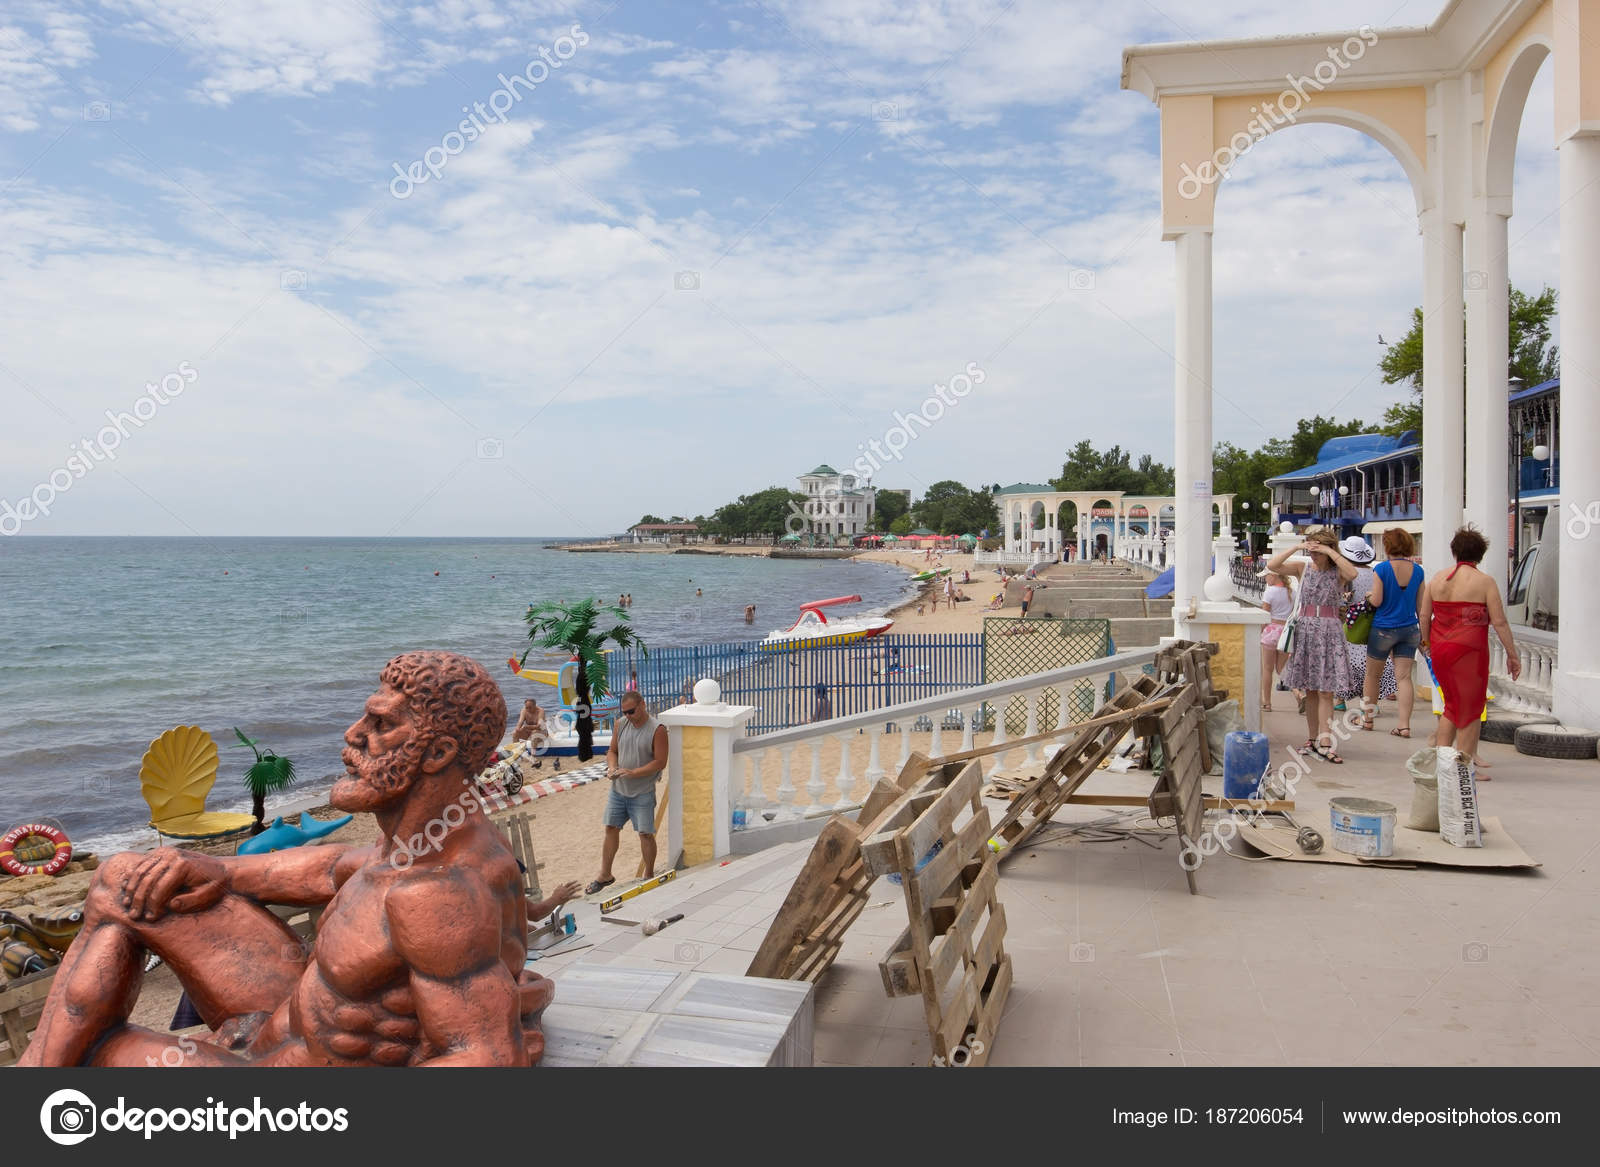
(1447, 102)
(1108, 522)
(837, 503)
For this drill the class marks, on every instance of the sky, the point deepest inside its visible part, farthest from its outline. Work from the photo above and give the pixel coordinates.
(707, 247)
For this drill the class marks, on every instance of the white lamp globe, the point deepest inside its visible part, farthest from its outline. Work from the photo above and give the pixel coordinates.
(1344, 490)
(707, 692)
(1540, 453)
(1286, 528)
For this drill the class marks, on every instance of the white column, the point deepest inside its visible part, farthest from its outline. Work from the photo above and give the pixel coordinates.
(1443, 395)
(1577, 677)
(1488, 459)
(1191, 539)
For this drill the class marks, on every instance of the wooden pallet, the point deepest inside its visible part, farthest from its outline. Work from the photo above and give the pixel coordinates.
(829, 892)
(21, 1002)
(1181, 727)
(952, 952)
(518, 831)
(1071, 766)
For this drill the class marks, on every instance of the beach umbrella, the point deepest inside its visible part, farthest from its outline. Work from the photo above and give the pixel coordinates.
(790, 538)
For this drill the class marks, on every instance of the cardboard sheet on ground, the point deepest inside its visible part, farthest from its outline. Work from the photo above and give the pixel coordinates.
(1275, 840)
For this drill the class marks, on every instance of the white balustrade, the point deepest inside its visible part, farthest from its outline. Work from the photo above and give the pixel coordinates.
(786, 790)
(845, 780)
(1534, 690)
(816, 786)
(847, 789)
(1031, 729)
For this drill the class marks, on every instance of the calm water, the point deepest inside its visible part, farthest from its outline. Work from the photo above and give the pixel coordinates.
(107, 642)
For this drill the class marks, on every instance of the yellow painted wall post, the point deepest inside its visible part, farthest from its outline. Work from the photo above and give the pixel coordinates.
(700, 777)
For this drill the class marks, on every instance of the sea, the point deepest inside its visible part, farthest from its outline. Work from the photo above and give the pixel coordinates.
(107, 642)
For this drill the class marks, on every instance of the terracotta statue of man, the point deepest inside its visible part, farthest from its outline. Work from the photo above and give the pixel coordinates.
(417, 961)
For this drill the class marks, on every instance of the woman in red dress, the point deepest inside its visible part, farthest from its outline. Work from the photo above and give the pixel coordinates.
(1457, 610)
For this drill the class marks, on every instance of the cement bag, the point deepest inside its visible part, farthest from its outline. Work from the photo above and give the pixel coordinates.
(1221, 720)
(1458, 799)
(1424, 769)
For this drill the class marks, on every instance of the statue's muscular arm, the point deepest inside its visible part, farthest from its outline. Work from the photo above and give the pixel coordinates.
(172, 880)
(447, 926)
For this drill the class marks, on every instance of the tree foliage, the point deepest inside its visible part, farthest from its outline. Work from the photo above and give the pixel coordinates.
(761, 513)
(890, 506)
(951, 509)
(1532, 358)
(1087, 468)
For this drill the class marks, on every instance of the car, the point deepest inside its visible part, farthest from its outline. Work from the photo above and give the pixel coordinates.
(1531, 599)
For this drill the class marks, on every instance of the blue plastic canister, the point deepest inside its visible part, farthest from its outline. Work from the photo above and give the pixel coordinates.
(1245, 756)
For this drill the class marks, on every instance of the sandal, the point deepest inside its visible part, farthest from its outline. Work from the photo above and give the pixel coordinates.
(1328, 755)
(1399, 731)
(597, 885)
(1369, 717)
(1266, 709)
(1309, 748)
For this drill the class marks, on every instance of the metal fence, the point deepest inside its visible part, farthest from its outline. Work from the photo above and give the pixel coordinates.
(1016, 647)
(793, 686)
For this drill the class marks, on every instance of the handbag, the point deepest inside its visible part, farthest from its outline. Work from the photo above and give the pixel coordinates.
(1286, 638)
(1358, 622)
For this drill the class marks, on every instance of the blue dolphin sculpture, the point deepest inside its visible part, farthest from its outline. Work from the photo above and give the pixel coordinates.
(279, 837)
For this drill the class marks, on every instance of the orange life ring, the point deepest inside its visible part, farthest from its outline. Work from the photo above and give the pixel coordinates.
(48, 836)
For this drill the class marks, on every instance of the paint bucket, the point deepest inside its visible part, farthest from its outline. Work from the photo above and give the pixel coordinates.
(1362, 826)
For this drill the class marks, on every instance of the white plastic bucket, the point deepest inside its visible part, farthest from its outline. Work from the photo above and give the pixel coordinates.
(1362, 826)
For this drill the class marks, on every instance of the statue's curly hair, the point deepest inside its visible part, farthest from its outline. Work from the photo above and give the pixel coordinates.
(453, 696)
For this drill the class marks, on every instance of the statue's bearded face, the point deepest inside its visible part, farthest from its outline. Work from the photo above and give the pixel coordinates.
(383, 754)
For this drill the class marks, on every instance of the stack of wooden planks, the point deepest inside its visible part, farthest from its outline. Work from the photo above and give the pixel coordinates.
(828, 894)
(952, 952)
(21, 1002)
(1177, 793)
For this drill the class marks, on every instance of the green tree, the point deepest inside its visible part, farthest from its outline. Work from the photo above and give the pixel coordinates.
(1086, 468)
(268, 774)
(650, 519)
(901, 526)
(890, 506)
(951, 509)
(574, 629)
(762, 513)
(1532, 358)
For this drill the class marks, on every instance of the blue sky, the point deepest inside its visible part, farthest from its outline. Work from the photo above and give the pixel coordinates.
(717, 244)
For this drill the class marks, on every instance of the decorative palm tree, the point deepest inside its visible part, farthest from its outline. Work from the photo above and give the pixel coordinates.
(572, 628)
(268, 774)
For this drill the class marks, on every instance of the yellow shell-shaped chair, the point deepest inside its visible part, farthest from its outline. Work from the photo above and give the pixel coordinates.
(175, 776)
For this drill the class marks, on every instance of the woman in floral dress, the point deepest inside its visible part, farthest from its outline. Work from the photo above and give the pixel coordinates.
(1319, 661)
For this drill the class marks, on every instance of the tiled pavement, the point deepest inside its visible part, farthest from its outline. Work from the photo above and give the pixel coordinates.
(1273, 963)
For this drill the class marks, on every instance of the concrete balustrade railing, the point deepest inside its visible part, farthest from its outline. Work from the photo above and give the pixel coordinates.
(1534, 690)
(715, 771)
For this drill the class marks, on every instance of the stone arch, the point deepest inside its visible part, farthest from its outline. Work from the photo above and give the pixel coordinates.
(1504, 122)
(1395, 119)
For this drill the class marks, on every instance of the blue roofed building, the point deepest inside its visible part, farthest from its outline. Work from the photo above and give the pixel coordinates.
(1361, 484)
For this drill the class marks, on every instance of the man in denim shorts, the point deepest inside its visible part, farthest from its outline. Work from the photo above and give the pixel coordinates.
(636, 760)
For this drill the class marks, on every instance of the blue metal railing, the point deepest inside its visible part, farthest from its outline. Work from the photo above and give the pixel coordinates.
(783, 685)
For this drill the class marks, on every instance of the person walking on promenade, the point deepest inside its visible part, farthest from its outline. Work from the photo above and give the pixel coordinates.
(1275, 598)
(1456, 613)
(1318, 662)
(1359, 552)
(1396, 596)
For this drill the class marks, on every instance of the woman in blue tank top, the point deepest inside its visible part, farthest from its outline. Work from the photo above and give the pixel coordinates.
(1395, 629)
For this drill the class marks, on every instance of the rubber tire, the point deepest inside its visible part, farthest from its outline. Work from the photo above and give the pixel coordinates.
(1557, 741)
(513, 784)
(1502, 727)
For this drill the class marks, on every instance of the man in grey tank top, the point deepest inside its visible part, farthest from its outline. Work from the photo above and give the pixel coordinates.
(635, 762)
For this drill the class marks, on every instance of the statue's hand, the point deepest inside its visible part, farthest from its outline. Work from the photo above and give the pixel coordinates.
(170, 880)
